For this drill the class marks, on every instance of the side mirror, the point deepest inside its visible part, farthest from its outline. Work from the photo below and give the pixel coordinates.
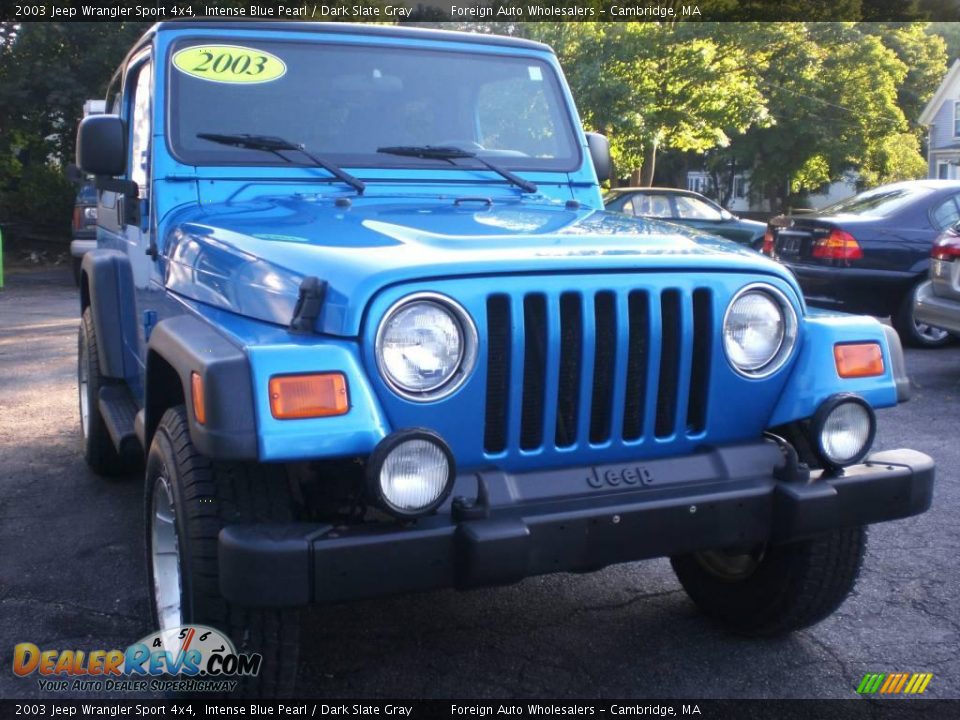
(102, 145)
(600, 154)
(726, 215)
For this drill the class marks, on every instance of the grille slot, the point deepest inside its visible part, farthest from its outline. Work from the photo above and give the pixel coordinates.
(669, 363)
(534, 363)
(700, 369)
(568, 386)
(605, 322)
(498, 373)
(638, 351)
(577, 367)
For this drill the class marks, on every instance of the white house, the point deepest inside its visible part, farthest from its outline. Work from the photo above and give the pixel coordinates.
(701, 182)
(941, 117)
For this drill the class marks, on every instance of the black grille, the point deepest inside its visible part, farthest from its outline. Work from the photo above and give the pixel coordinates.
(534, 361)
(571, 348)
(590, 360)
(638, 343)
(669, 362)
(605, 324)
(498, 372)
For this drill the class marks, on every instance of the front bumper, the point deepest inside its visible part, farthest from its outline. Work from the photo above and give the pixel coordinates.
(575, 519)
(938, 311)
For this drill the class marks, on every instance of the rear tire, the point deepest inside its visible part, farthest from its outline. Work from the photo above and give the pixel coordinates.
(193, 497)
(98, 449)
(913, 332)
(779, 588)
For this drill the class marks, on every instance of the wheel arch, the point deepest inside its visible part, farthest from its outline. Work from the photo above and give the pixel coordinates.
(180, 347)
(106, 287)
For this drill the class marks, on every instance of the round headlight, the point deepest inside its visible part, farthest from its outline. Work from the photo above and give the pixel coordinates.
(844, 427)
(90, 213)
(410, 473)
(426, 346)
(759, 330)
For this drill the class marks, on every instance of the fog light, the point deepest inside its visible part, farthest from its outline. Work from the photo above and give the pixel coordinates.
(410, 473)
(844, 427)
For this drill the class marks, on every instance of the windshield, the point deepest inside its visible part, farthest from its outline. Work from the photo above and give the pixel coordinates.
(881, 202)
(345, 102)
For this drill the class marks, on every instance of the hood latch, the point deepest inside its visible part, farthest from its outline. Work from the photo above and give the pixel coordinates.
(313, 290)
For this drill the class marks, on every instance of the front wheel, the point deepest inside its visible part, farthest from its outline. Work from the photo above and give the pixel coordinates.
(774, 589)
(913, 332)
(188, 499)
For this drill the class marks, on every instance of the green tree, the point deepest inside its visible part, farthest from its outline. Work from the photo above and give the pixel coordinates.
(924, 55)
(47, 71)
(656, 86)
(834, 91)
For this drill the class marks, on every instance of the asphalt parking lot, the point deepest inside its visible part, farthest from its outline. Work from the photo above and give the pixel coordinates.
(71, 573)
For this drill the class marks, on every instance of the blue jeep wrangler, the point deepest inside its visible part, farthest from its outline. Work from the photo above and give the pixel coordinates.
(357, 308)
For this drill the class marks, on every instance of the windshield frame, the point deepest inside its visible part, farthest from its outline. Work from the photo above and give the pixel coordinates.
(569, 118)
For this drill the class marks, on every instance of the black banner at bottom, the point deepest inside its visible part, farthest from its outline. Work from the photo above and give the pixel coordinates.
(694, 709)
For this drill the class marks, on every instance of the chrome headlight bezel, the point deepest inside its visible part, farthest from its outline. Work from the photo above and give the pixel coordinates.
(466, 360)
(790, 331)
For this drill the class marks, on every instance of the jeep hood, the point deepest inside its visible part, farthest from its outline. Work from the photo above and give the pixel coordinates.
(250, 257)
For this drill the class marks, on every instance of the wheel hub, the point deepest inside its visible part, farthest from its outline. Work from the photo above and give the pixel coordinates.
(731, 565)
(83, 383)
(165, 556)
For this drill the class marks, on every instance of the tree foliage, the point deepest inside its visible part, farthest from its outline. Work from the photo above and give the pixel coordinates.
(653, 86)
(47, 71)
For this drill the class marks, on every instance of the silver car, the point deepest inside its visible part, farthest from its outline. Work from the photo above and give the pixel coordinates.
(937, 301)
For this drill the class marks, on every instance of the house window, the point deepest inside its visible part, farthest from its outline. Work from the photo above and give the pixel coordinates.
(739, 187)
(943, 170)
(956, 118)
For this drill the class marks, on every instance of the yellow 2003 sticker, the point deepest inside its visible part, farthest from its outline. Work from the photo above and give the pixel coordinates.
(229, 64)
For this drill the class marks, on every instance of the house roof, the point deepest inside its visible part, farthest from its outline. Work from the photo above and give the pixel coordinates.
(946, 90)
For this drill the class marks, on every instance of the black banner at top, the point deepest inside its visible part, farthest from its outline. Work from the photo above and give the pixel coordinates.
(482, 10)
(201, 708)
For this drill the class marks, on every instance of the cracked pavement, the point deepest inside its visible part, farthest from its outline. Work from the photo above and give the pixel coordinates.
(71, 573)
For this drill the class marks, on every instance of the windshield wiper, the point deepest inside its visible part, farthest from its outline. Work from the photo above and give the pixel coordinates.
(438, 152)
(277, 145)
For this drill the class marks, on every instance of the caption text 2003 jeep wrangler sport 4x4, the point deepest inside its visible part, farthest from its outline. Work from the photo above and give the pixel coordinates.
(356, 301)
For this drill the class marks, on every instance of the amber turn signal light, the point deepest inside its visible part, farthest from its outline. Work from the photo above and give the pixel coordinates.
(196, 393)
(858, 360)
(308, 396)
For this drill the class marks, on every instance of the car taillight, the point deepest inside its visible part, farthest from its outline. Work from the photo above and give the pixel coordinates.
(946, 248)
(768, 242)
(838, 245)
(77, 218)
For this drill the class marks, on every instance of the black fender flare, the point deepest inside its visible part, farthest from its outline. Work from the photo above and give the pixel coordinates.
(106, 287)
(188, 344)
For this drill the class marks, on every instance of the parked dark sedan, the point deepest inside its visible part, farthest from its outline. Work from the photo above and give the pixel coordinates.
(685, 208)
(870, 253)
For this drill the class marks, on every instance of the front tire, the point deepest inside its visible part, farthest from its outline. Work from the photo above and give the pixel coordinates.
(188, 499)
(775, 589)
(914, 332)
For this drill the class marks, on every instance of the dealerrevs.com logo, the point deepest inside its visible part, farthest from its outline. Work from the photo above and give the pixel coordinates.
(192, 658)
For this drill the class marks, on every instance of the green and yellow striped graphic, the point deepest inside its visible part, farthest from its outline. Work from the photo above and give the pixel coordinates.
(894, 683)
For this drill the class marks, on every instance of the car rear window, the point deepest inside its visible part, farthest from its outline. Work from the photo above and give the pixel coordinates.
(881, 202)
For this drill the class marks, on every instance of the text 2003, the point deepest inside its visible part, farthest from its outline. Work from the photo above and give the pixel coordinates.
(30, 11)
